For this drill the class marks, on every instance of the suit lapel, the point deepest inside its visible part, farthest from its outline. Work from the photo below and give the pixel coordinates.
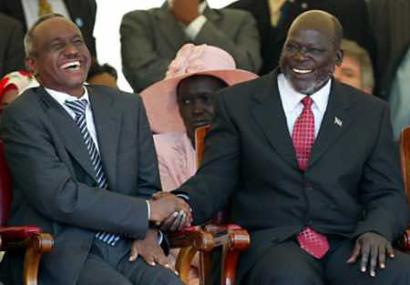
(170, 28)
(69, 132)
(211, 14)
(336, 120)
(269, 115)
(108, 125)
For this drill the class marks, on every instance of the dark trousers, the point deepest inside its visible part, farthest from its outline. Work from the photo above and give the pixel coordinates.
(106, 265)
(287, 264)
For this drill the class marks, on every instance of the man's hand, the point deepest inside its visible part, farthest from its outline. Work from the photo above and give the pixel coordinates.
(372, 248)
(173, 212)
(149, 249)
(185, 11)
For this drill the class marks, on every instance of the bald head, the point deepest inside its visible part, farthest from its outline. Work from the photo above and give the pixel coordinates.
(311, 51)
(320, 21)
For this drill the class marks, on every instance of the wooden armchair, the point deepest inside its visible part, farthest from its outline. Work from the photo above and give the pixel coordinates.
(404, 243)
(29, 237)
(203, 239)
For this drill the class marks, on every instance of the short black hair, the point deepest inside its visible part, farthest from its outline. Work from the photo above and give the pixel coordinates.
(28, 38)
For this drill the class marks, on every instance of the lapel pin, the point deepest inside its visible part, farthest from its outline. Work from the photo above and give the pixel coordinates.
(338, 122)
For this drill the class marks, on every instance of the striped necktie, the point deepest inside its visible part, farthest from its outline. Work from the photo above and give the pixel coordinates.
(79, 107)
(44, 8)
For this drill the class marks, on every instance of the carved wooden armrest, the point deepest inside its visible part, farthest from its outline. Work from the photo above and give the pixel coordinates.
(190, 240)
(233, 240)
(36, 243)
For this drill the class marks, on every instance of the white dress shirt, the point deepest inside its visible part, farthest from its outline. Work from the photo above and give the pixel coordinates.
(293, 107)
(30, 8)
(61, 97)
(193, 29)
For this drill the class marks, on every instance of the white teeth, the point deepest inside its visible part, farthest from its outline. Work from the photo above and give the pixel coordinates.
(301, 71)
(74, 65)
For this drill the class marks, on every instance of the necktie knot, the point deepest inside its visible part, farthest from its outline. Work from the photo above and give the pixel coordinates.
(307, 102)
(77, 106)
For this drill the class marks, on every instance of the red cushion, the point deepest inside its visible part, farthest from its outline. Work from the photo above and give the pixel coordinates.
(17, 233)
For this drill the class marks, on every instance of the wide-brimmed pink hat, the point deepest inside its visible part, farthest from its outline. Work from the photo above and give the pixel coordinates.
(160, 98)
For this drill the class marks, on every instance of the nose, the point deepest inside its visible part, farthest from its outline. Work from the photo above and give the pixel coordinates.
(70, 49)
(300, 54)
(197, 107)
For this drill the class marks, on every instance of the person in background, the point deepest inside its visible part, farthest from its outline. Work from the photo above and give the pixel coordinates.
(11, 45)
(13, 85)
(275, 16)
(309, 167)
(356, 69)
(82, 13)
(151, 39)
(182, 102)
(390, 22)
(399, 97)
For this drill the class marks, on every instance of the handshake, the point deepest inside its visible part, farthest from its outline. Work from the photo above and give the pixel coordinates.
(169, 212)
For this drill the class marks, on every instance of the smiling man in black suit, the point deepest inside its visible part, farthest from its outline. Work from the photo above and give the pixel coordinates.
(309, 166)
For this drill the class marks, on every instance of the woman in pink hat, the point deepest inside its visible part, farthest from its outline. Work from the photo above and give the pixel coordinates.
(182, 102)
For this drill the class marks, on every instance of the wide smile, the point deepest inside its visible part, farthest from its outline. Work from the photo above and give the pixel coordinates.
(302, 71)
(71, 66)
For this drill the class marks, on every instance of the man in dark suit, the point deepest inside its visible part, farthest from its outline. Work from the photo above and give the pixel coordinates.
(275, 16)
(11, 45)
(308, 165)
(82, 13)
(159, 33)
(83, 168)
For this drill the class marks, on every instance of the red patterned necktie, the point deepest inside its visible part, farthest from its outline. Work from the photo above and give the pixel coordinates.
(303, 134)
(303, 137)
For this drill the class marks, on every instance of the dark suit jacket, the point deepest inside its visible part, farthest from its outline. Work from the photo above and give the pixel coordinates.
(54, 184)
(352, 185)
(11, 45)
(82, 13)
(352, 14)
(151, 39)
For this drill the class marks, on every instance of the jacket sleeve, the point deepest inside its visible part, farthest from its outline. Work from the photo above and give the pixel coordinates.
(44, 180)
(244, 46)
(210, 188)
(386, 209)
(142, 65)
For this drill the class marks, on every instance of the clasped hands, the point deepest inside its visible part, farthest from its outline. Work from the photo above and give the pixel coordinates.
(170, 212)
(372, 249)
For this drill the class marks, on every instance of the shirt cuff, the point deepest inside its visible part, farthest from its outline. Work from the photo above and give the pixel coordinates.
(148, 209)
(160, 237)
(193, 29)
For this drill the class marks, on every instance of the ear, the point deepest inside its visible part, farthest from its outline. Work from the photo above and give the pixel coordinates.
(339, 57)
(31, 64)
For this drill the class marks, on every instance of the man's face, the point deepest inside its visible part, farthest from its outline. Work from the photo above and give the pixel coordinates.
(195, 101)
(308, 58)
(60, 57)
(350, 72)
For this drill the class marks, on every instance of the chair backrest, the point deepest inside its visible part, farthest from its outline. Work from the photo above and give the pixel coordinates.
(5, 188)
(200, 134)
(405, 159)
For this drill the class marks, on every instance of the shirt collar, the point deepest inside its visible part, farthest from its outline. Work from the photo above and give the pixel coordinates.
(61, 97)
(293, 98)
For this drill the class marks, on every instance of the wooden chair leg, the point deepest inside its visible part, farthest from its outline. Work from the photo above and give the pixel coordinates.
(183, 263)
(37, 245)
